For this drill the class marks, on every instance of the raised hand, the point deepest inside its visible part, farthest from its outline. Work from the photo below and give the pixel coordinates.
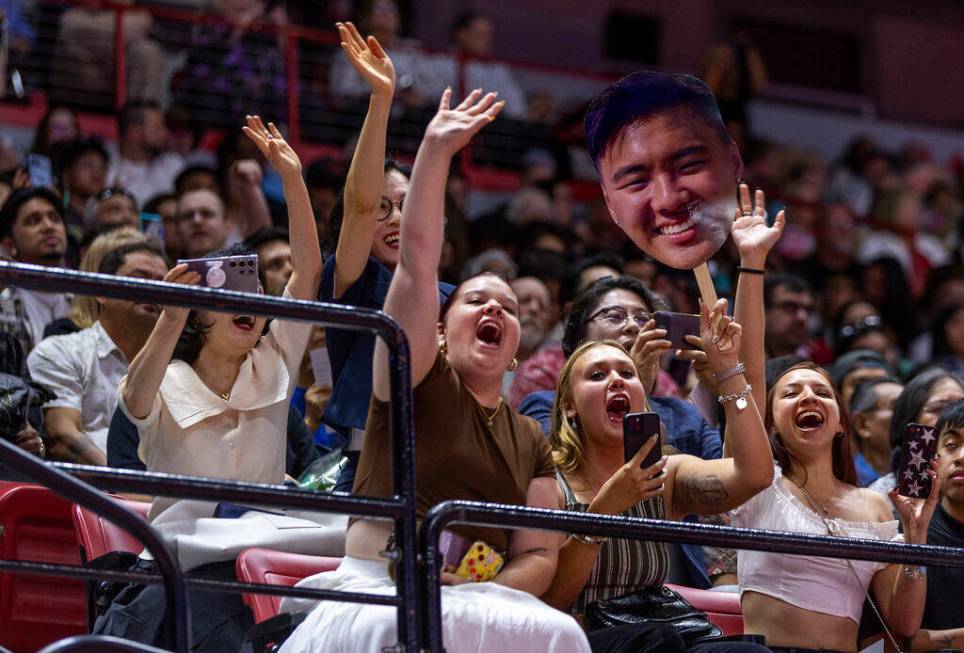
(721, 336)
(915, 514)
(369, 59)
(753, 237)
(647, 352)
(273, 147)
(180, 274)
(452, 129)
(701, 365)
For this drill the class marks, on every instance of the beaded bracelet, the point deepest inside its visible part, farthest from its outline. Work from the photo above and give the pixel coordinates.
(739, 368)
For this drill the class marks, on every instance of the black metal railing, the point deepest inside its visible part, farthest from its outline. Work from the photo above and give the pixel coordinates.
(400, 508)
(636, 528)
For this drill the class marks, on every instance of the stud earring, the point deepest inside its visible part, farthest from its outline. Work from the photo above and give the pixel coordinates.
(443, 348)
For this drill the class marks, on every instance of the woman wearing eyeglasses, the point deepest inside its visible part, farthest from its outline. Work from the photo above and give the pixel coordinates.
(364, 234)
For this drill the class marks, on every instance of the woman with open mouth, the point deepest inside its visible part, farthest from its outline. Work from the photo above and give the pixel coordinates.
(209, 395)
(363, 246)
(816, 603)
(599, 386)
(469, 445)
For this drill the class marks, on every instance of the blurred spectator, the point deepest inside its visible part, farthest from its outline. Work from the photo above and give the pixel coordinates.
(243, 185)
(83, 65)
(885, 286)
(789, 305)
(202, 225)
(863, 168)
(165, 205)
(143, 166)
(325, 178)
(32, 230)
(85, 368)
(535, 317)
(856, 367)
(82, 169)
(493, 260)
(234, 67)
(274, 255)
(736, 73)
(945, 287)
(835, 239)
(57, 126)
(83, 308)
(530, 204)
(183, 132)
(871, 409)
(109, 209)
(473, 35)
(947, 334)
(197, 176)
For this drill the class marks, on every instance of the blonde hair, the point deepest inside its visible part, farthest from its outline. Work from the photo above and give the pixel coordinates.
(83, 308)
(568, 452)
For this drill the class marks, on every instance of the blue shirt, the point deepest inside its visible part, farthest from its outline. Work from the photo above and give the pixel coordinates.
(351, 352)
(865, 473)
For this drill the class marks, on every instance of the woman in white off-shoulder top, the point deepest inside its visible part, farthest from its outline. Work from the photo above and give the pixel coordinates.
(815, 603)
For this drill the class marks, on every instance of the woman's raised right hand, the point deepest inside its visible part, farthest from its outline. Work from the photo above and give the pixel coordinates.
(631, 483)
(180, 274)
(369, 59)
(452, 129)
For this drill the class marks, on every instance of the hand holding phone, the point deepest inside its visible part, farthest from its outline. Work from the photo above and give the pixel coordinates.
(227, 272)
(678, 326)
(919, 448)
(637, 429)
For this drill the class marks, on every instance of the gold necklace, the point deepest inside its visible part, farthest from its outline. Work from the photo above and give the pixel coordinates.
(225, 395)
(495, 411)
(815, 505)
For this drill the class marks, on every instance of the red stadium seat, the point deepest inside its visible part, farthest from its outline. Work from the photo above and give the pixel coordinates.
(97, 535)
(722, 608)
(276, 568)
(37, 610)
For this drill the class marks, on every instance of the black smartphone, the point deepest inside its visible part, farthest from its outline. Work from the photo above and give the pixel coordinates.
(678, 326)
(919, 447)
(637, 429)
(227, 272)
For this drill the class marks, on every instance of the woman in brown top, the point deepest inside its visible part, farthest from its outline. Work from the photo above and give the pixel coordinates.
(469, 443)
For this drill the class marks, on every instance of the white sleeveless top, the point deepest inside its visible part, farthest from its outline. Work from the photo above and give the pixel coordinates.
(824, 585)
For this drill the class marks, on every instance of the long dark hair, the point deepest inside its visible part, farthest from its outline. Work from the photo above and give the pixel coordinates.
(191, 341)
(842, 456)
(330, 243)
(909, 404)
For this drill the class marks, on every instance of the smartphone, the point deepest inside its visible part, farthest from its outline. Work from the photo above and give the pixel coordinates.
(39, 168)
(152, 226)
(637, 429)
(321, 366)
(919, 447)
(678, 326)
(227, 272)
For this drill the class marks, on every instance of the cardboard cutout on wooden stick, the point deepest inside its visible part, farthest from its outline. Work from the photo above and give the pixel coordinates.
(668, 169)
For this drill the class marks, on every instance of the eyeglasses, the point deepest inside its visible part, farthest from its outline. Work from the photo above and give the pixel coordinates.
(618, 317)
(793, 307)
(860, 327)
(386, 206)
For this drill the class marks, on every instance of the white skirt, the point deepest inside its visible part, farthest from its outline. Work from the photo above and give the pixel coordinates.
(476, 617)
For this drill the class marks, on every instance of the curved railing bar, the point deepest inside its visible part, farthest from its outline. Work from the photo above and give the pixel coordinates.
(400, 379)
(72, 489)
(98, 644)
(638, 528)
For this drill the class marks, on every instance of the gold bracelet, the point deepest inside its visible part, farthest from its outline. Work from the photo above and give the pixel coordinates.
(588, 539)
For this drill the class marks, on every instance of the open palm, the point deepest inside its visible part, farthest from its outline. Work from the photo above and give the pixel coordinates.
(273, 146)
(368, 58)
(753, 237)
(454, 128)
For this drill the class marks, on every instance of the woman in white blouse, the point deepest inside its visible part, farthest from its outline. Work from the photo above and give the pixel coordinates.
(816, 603)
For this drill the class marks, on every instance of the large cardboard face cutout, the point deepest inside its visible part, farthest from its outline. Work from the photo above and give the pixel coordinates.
(670, 182)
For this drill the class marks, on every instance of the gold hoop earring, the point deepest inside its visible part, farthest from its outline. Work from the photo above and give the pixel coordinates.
(513, 365)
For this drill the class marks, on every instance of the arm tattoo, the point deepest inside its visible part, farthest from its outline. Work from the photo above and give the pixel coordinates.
(705, 490)
(947, 640)
(77, 447)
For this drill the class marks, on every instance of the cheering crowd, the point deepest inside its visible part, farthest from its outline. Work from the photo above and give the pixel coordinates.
(533, 334)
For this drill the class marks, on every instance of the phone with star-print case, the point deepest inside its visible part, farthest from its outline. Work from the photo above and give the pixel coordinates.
(919, 448)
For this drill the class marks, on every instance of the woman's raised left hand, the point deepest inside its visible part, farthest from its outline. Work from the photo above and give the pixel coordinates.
(721, 336)
(915, 514)
(452, 129)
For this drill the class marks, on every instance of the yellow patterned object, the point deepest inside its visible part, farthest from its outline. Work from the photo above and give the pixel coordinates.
(481, 563)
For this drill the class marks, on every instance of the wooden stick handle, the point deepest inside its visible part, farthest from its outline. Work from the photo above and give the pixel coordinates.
(705, 282)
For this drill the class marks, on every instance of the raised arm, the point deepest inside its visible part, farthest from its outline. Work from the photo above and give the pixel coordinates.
(699, 487)
(754, 239)
(413, 294)
(363, 185)
(147, 370)
(305, 252)
(245, 178)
